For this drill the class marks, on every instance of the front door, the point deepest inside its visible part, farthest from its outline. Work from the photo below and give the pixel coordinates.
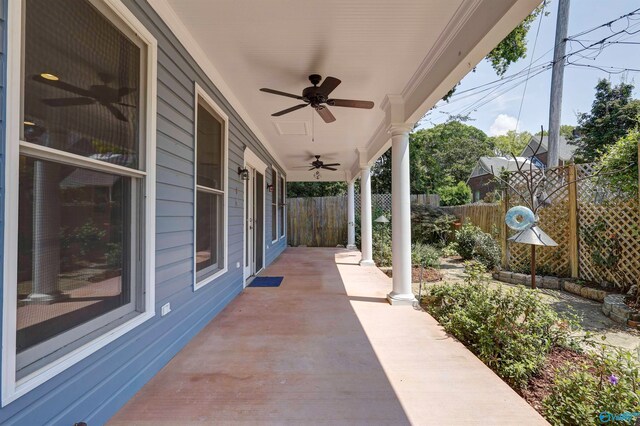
(254, 223)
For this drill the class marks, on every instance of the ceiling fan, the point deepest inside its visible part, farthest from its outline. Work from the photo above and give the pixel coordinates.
(318, 98)
(319, 164)
(106, 96)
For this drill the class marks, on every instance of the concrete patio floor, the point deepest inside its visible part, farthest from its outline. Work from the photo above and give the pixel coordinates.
(325, 348)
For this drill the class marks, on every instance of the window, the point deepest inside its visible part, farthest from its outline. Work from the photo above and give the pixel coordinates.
(80, 218)
(274, 205)
(281, 205)
(210, 235)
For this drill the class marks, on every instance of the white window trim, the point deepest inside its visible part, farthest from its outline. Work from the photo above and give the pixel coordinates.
(12, 389)
(284, 207)
(200, 93)
(274, 196)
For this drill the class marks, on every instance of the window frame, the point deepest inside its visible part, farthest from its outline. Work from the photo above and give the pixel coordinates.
(203, 98)
(121, 17)
(282, 182)
(274, 202)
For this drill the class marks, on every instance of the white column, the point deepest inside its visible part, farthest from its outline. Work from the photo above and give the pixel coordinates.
(351, 216)
(365, 217)
(400, 217)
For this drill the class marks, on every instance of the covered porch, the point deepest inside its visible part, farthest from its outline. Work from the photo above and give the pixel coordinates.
(324, 347)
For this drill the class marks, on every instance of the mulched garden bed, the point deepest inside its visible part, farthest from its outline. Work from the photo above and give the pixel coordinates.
(540, 385)
(428, 274)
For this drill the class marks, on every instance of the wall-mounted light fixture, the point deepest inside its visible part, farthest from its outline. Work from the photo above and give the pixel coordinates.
(269, 187)
(244, 173)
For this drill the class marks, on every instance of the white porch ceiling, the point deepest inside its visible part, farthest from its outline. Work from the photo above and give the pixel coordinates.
(414, 48)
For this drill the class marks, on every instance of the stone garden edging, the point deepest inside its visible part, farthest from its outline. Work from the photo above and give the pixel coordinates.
(613, 305)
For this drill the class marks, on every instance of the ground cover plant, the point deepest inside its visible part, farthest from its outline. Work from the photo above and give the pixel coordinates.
(537, 351)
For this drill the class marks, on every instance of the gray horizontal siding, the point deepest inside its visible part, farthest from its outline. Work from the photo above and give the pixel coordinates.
(95, 388)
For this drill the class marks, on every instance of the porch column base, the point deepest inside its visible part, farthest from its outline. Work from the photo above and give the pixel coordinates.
(367, 263)
(351, 247)
(45, 298)
(401, 299)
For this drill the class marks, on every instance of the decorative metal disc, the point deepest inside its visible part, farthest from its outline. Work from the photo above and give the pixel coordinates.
(519, 218)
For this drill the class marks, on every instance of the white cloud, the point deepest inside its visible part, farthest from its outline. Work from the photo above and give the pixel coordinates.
(502, 124)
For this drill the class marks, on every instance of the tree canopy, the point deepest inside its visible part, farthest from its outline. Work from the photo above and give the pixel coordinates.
(510, 144)
(613, 114)
(512, 48)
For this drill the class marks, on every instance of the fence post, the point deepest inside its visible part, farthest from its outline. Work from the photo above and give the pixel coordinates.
(504, 231)
(573, 221)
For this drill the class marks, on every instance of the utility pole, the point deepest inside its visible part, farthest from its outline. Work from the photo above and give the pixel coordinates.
(557, 77)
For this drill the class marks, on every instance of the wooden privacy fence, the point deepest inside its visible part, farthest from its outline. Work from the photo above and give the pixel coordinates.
(317, 221)
(487, 217)
(322, 221)
(597, 230)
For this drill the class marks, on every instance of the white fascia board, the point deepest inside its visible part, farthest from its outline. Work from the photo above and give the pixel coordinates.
(447, 59)
(168, 15)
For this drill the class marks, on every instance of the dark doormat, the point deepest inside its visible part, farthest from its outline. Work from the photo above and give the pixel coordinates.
(266, 282)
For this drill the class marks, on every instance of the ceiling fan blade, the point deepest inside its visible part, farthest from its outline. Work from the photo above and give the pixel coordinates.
(328, 85)
(64, 86)
(124, 91)
(332, 164)
(277, 92)
(329, 168)
(313, 168)
(116, 112)
(288, 110)
(326, 114)
(350, 103)
(63, 102)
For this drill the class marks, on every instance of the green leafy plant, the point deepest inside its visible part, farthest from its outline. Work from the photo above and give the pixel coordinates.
(454, 195)
(466, 240)
(381, 244)
(619, 162)
(472, 243)
(426, 255)
(511, 331)
(450, 249)
(608, 381)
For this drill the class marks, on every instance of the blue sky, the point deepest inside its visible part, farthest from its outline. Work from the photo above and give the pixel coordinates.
(501, 112)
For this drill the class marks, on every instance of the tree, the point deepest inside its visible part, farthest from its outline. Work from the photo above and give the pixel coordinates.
(566, 130)
(512, 48)
(613, 114)
(448, 151)
(513, 143)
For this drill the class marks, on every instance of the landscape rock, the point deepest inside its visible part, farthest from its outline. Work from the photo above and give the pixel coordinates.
(572, 287)
(552, 283)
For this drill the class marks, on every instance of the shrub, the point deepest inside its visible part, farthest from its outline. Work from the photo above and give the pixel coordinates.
(511, 331)
(619, 162)
(430, 225)
(426, 255)
(607, 382)
(454, 195)
(466, 240)
(381, 244)
(450, 249)
(472, 243)
(487, 250)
